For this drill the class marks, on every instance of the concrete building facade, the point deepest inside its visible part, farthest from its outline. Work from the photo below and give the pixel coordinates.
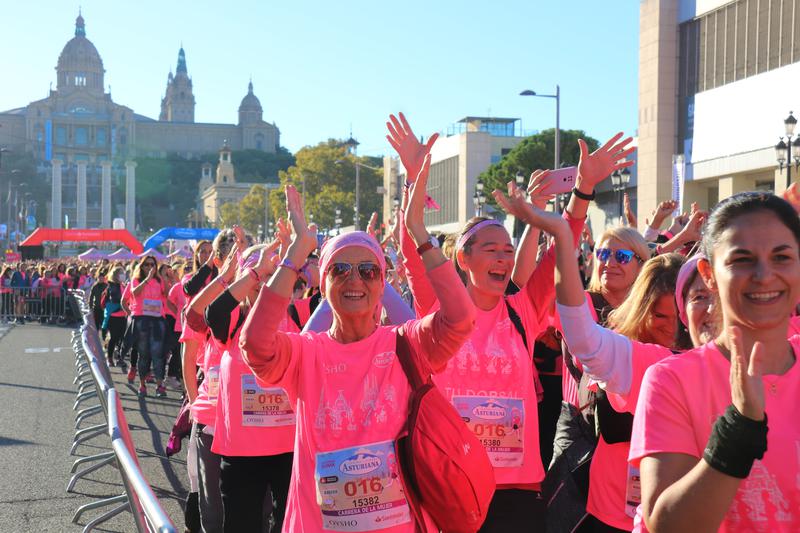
(716, 81)
(78, 129)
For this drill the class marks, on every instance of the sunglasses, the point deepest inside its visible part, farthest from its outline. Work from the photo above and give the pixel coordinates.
(621, 255)
(366, 271)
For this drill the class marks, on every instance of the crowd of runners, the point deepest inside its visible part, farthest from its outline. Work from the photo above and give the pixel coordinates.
(616, 383)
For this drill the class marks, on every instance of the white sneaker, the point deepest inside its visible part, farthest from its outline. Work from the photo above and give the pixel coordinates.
(173, 383)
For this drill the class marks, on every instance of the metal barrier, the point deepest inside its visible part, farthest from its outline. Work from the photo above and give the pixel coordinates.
(46, 304)
(94, 380)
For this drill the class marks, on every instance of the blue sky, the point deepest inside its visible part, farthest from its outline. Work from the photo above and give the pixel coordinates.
(320, 67)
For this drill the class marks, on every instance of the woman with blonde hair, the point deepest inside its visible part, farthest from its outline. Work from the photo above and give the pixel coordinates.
(619, 254)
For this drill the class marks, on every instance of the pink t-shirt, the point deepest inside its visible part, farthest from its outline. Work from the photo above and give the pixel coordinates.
(178, 299)
(611, 479)
(680, 401)
(251, 420)
(794, 326)
(491, 383)
(351, 402)
(149, 302)
(204, 407)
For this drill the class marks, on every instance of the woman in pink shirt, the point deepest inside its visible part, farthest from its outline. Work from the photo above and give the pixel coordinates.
(700, 431)
(493, 370)
(148, 304)
(347, 387)
(254, 427)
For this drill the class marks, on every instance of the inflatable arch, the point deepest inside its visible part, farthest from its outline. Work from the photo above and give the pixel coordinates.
(42, 235)
(197, 234)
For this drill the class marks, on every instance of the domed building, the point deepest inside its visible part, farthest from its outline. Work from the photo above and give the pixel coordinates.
(81, 137)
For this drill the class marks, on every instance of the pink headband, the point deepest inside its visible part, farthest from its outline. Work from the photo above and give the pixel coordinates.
(687, 271)
(462, 241)
(359, 239)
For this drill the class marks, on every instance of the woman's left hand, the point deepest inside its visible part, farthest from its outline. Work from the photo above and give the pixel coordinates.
(600, 164)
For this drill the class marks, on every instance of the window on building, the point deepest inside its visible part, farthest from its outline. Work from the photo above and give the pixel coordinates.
(81, 136)
(80, 80)
(101, 137)
(61, 135)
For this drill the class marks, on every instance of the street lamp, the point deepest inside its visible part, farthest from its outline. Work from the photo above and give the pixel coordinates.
(619, 182)
(520, 177)
(479, 199)
(338, 221)
(395, 203)
(557, 96)
(352, 143)
(788, 152)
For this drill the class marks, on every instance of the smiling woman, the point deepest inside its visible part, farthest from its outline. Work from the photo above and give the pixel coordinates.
(751, 242)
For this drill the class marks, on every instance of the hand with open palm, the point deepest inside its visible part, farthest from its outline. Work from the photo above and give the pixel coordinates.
(600, 164)
(411, 151)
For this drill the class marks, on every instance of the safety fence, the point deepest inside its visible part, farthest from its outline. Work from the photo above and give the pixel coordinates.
(45, 304)
(94, 382)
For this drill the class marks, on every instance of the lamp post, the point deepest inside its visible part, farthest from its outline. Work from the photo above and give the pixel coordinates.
(557, 96)
(557, 150)
(788, 152)
(619, 182)
(357, 208)
(479, 199)
(338, 221)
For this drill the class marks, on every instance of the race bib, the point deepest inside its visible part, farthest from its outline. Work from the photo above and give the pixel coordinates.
(264, 407)
(498, 423)
(213, 384)
(633, 491)
(151, 307)
(359, 489)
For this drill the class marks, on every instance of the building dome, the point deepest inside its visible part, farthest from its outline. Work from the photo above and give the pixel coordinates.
(250, 102)
(79, 64)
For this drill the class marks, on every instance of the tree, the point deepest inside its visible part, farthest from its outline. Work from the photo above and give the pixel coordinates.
(534, 152)
(328, 172)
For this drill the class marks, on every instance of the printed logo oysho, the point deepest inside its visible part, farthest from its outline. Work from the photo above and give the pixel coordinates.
(490, 411)
(383, 360)
(359, 464)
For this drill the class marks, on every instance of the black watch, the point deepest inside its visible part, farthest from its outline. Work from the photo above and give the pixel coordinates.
(583, 195)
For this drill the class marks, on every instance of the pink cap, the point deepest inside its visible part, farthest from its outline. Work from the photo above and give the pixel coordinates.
(684, 274)
(359, 239)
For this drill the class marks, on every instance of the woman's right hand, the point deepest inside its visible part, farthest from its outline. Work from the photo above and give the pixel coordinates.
(412, 152)
(228, 269)
(305, 236)
(415, 211)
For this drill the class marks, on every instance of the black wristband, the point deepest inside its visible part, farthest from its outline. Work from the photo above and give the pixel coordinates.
(583, 195)
(735, 442)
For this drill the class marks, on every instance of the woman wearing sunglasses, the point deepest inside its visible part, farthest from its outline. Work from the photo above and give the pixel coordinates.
(494, 368)
(147, 300)
(350, 392)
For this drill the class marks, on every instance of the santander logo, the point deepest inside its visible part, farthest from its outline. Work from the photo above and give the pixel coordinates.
(362, 463)
(489, 411)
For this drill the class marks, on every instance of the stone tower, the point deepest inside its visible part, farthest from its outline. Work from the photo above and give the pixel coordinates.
(178, 103)
(225, 174)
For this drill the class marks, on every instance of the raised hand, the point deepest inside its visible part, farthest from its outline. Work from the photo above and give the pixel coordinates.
(630, 217)
(283, 233)
(516, 205)
(267, 260)
(600, 164)
(415, 211)
(228, 269)
(747, 387)
(661, 213)
(412, 152)
(692, 232)
(792, 195)
(372, 226)
(537, 188)
(305, 236)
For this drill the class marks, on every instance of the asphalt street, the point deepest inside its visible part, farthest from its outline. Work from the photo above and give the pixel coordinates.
(37, 428)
